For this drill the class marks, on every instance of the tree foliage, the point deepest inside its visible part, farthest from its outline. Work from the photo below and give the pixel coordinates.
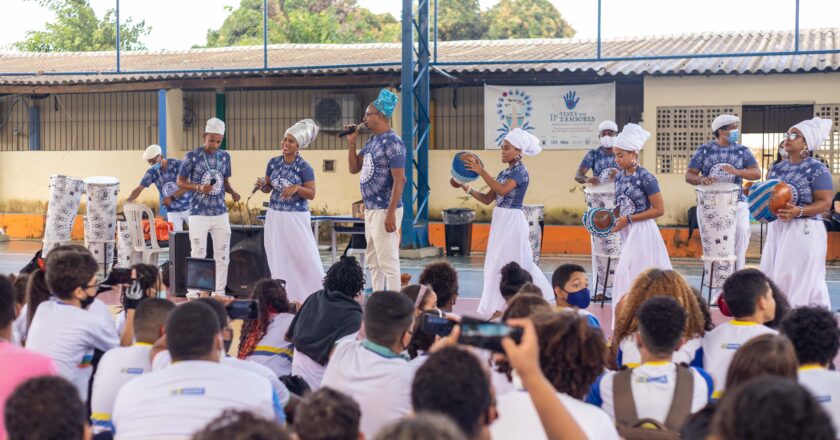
(460, 20)
(526, 19)
(77, 29)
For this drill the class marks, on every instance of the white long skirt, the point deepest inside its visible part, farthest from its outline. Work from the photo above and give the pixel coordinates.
(508, 242)
(642, 248)
(292, 253)
(794, 258)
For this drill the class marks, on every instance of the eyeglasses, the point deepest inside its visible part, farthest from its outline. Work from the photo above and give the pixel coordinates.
(790, 136)
(92, 286)
(371, 113)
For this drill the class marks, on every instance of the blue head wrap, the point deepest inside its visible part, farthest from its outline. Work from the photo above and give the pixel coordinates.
(385, 102)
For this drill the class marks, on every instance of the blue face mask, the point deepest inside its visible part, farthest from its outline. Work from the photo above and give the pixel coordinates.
(579, 299)
(733, 136)
(156, 166)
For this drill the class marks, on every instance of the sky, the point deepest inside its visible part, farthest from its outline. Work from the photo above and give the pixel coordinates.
(179, 24)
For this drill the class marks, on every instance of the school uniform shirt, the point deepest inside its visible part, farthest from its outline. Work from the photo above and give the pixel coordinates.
(182, 399)
(20, 327)
(282, 175)
(98, 307)
(825, 386)
(381, 153)
(378, 379)
(720, 344)
(273, 350)
(690, 353)
(591, 319)
(710, 158)
(117, 367)
(601, 162)
(632, 192)
(201, 168)
(513, 199)
(653, 385)
(68, 335)
(19, 365)
(311, 371)
(518, 419)
(803, 178)
(166, 182)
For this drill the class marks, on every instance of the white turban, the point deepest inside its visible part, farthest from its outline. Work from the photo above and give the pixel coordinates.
(631, 138)
(152, 152)
(522, 140)
(215, 126)
(607, 125)
(815, 131)
(723, 121)
(304, 132)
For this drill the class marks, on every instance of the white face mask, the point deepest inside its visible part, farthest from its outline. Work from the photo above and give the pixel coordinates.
(608, 141)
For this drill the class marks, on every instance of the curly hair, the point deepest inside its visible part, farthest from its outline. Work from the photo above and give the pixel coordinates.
(327, 414)
(345, 276)
(53, 402)
(513, 278)
(271, 298)
(444, 281)
(708, 324)
(814, 334)
(241, 425)
(657, 282)
(523, 305)
(768, 354)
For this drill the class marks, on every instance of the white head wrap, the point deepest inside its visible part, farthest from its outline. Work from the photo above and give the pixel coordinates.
(215, 126)
(723, 121)
(304, 132)
(815, 131)
(152, 152)
(522, 140)
(607, 125)
(631, 138)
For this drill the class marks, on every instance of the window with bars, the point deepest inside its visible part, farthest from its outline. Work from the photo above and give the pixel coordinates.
(680, 130)
(830, 150)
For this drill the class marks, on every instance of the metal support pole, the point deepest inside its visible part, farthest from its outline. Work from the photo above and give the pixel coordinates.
(118, 35)
(436, 30)
(265, 34)
(162, 137)
(796, 31)
(598, 49)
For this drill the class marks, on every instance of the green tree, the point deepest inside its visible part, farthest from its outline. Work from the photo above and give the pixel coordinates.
(77, 29)
(526, 19)
(460, 20)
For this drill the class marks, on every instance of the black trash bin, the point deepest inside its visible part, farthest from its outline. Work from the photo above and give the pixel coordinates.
(458, 230)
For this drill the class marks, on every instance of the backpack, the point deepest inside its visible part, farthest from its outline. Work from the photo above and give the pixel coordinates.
(627, 421)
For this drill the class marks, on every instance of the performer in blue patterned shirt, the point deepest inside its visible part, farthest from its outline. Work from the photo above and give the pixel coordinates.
(164, 174)
(601, 159)
(289, 244)
(206, 171)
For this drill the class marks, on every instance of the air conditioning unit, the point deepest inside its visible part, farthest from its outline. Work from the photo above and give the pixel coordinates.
(333, 112)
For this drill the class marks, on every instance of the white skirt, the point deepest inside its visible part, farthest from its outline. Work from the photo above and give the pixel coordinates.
(794, 258)
(508, 242)
(642, 248)
(292, 253)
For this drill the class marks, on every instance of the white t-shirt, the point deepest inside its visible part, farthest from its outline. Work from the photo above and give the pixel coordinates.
(273, 350)
(116, 368)
(19, 327)
(518, 419)
(379, 382)
(100, 308)
(720, 344)
(825, 386)
(69, 335)
(629, 355)
(309, 370)
(179, 400)
(653, 385)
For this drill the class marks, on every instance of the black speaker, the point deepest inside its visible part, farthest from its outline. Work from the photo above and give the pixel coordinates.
(248, 263)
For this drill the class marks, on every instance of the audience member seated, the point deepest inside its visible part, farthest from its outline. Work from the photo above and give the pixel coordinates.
(652, 283)
(97, 306)
(17, 365)
(452, 382)
(422, 426)
(374, 371)
(750, 301)
(523, 306)
(816, 339)
(37, 292)
(571, 291)
(513, 278)
(423, 297)
(241, 425)
(145, 278)
(263, 340)
(120, 365)
(180, 400)
(572, 355)
(782, 306)
(46, 408)
(832, 217)
(328, 316)
(444, 281)
(19, 283)
(421, 342)
(328, 414)
(658, 389)
(62, 328)
(763, 355)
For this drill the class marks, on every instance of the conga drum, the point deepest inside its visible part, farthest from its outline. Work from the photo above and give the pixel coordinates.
(124, 248)
(606, 245)
(65, 198)
(717, 207)
(101, 218)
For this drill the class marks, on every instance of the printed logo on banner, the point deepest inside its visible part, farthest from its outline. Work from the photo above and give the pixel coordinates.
(571, 100)
(514, 109)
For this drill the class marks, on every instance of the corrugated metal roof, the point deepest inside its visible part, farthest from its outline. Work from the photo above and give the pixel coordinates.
(456, 56)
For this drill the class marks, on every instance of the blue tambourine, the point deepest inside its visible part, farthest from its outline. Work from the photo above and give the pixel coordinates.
(599, 221)
(460, 173)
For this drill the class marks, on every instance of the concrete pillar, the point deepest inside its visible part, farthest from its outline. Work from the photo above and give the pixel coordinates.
(175, 123)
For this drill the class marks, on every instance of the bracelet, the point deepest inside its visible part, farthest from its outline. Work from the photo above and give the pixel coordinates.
(629, 220)
(801, 211)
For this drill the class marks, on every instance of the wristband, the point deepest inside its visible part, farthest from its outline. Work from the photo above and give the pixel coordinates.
(801, 211)
(629, 220)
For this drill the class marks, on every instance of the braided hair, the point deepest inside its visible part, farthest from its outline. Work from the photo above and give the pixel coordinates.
(271, 298)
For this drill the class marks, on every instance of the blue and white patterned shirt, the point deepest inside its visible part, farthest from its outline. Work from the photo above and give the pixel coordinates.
(513, 199)
(632, 192)
(282, 175)
(201, 168)
(803, 178)
(710, 158)
(381, 153)
(601, 162)
(166, 182)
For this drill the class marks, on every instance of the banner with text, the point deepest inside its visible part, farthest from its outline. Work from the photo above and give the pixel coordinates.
(563, 117)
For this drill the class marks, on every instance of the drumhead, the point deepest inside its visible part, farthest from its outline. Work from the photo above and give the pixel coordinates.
(102, 180)
(718, 187)
(604, 188)
(61, 178)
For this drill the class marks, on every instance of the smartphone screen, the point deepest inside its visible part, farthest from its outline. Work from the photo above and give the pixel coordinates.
(436, 325)
(243, 309)
(487, 335)
(119, 276)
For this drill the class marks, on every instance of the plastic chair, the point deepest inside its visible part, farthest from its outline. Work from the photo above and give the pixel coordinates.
(148, 253)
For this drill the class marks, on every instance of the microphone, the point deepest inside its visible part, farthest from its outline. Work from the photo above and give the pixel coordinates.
(352, 129)
(254, 191)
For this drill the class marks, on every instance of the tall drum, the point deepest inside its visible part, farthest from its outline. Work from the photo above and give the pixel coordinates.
(65, 197)
(101, 218)
(717, 206)
(605, 250)
(535, 214)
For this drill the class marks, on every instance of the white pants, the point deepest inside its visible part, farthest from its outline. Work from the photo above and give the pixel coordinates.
(794, 258)
(218, 226)
(742, 234)
(383, 250)
(293, 254)
(178, 219)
